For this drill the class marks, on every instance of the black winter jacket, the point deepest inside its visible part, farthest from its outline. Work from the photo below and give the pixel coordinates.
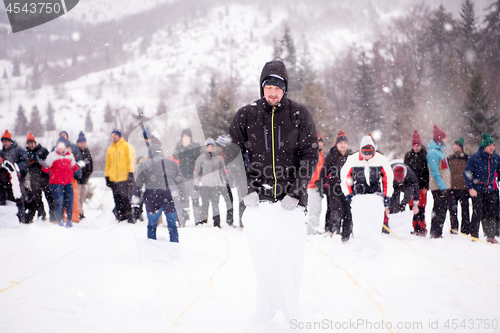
(38, 178)
(330, 175)
(281, 143)
(89, 166)
(187, 157)
(418, 163)
(18, 155)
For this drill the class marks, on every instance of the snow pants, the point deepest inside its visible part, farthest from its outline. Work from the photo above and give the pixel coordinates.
(313, 208)
(441, 206)
(276, 238)
(338, 215)
(462, 197)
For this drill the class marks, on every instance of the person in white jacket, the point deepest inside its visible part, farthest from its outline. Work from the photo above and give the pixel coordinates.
(366, 180)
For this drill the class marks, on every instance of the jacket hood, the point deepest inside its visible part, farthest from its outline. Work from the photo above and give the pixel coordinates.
(275, 67)
(365, 141)
(434, 145)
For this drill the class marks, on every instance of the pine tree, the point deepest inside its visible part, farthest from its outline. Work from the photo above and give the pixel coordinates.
(50, 124)
(284, 50)
(35, 125)
(476, 109)
(36, 80)
(491, 34)
(108, 114)
(21, 125)
(89, 126)
(468, 37)
(366, 108)
(16, 71)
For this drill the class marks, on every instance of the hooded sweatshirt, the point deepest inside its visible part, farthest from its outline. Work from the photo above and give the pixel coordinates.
(281, 143)
(360, 176)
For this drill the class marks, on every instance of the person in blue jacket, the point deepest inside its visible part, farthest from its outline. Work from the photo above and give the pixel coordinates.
(439, 182)
(480, 179)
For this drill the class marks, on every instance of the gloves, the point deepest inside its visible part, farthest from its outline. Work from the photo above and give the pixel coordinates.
(251, 200)
(387, 202)
(289, 203)
(108, 183)
(349, 197)
(81, 164)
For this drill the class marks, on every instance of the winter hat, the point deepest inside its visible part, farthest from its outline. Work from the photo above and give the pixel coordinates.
(438, 134)
(210, 141)
(320, 137)
(187, 132)
(81, 137)
(416, 140)
(117, 132)
(367, 145)
(460, 142)
(63, 140)
(221, 141)
(341, 137)
(30, 137)
(486, 141)
(64, 132)
(399, 173)
(7, 136)
(274, 80)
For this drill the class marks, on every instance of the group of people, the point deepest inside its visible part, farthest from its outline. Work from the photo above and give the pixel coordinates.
(285, 172)
(452, 180)
(61, 175)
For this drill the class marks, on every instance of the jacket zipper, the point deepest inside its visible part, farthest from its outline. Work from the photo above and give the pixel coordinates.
(265, 137)
(272, 142)
(488, 181)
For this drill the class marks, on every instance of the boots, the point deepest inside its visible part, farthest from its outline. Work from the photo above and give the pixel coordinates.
(217, 221)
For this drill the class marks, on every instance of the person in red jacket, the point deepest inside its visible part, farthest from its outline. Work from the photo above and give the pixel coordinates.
(315, 193)
(60, 164)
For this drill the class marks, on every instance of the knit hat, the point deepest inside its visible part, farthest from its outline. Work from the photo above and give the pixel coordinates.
(221, 141)
(367, 146)
(486, 141)
(460, 142)
(7, 136)
(399, 173)
(187, 132)
(209, 141)
(274, 80)
(341, 137)
(117, 132)
(81, 137)
(320, 137)
(438, 134)
(63, 140)
(30, 137)
(64, 132)
(416, 140)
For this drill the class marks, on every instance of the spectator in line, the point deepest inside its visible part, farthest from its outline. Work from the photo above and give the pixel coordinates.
(39, 181)
(459, 192)
(479, 175)
(86, 172)
(440, 181)
(61, 164)
(338, 214)
(119, 175)
(18, 157)
(416, 160)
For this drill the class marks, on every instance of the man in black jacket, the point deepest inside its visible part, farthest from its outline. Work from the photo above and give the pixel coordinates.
(338, 214)
(81, 143)
(279, 136)
(39, 181)
(17, 155)
(416, 160)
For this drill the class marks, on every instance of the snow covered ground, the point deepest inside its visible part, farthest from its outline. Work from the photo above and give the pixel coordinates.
(92, 278)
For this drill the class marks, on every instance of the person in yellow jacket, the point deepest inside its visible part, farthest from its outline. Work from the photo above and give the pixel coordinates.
(119, 174)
